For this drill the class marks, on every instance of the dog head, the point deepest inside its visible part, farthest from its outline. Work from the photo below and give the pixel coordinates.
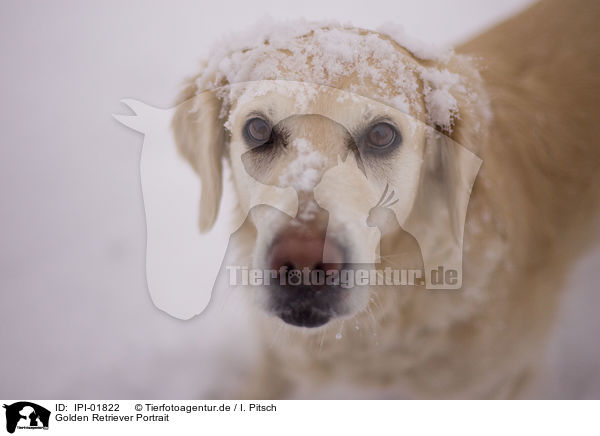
(339, 115)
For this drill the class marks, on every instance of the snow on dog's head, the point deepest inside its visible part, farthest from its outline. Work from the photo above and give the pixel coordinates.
(388, 66)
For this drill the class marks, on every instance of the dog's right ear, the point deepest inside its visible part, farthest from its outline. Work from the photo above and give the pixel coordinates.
(200, 138)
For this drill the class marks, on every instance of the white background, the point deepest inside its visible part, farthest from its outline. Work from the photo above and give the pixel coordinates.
(76, 320)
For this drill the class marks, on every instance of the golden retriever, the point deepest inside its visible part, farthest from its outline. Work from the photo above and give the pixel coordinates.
(523, 97)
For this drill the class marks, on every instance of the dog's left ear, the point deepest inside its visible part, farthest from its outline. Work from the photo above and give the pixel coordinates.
(450, 167)
(200, 138)
(471, 114)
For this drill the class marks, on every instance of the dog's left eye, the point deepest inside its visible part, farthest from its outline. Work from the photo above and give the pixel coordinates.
(257, 132)
(382, 136)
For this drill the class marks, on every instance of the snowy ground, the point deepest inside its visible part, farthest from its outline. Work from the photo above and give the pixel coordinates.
(75, 315)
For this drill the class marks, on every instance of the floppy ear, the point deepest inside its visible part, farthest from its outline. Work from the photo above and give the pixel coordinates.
(470, 123)
(200, 138)
(450, 167)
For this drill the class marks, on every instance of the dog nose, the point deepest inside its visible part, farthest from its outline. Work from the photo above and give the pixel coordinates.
(298, 250)
(301, 303)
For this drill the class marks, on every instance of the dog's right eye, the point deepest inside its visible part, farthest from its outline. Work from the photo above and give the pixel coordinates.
(382, 136)
(257, 132)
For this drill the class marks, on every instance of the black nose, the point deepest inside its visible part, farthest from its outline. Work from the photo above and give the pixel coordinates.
(307, 306)
(302, 310)
(305, 318)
